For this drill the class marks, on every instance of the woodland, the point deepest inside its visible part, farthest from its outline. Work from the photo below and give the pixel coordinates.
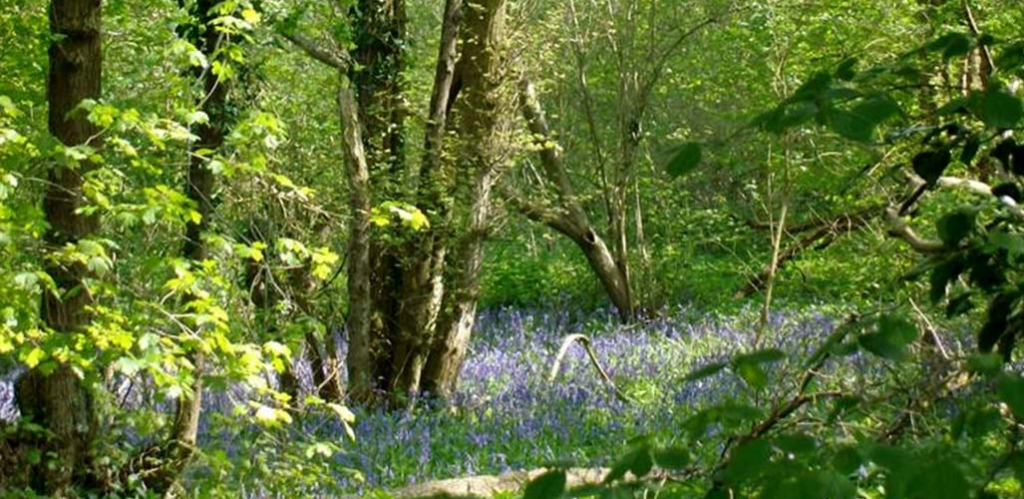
(722, 249)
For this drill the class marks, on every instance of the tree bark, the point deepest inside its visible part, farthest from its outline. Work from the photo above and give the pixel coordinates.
(479, 114)
(58, 401)
(199, 188)
(569, 219)
(359, 359)
(423, 284)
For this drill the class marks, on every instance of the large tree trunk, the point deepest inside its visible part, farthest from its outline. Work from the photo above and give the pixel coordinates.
(422, 278)
(480, 113)
(377, 81)
(58, 401)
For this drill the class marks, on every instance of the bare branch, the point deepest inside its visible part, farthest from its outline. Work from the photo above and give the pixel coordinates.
(338, 59)
(901, 229)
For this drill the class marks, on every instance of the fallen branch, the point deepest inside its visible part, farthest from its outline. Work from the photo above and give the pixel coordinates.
(485, 486)
(583, 340)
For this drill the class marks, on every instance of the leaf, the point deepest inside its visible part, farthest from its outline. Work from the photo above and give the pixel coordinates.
(897, 328)
(550, 485)
(985, 363)
(1011, 391)
(765, 356)
(891, 339)
(748, 461)
(930, 165)
(955, 226)
(951, 45)
(706, 371)
(942, 480)
(877, 109)
(996, 322)
(851, 126)
(1003, 151)
(846, 70)
(787, 116)
(752, 374)
(672, 458)
(1017, 164)
(686, 159)
(637, 461)
(847, 460)
(943, 274)
(970, 150)
(999, 109)
(797, 444)
(26, 281)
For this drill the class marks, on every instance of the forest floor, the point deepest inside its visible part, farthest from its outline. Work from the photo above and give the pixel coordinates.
(508, 416)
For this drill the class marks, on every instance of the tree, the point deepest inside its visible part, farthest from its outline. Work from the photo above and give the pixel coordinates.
(617, 42)
(396, 273)
(58, 401)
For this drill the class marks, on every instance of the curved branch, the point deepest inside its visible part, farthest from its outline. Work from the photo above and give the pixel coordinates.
(585, 341)
(338, 59)
(901, 229)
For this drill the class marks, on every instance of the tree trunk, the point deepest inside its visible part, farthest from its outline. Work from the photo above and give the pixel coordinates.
(359, 360)
(570, 219)
(58, 401)
(199, 188)
(479, 115)
(422, 278)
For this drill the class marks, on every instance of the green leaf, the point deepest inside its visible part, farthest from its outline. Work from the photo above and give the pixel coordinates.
(951, 45)
(955, 226)
(797, 444)
(930, 165)
(942, 480)
(672, 458)
(550, 485)
(847, 460)
(787, 116)
(706, 371)
(985, 363)
(1011, 391)
(996, 322)
(846, 70)
(851, 126)
(970, 150)
(891, 339)
(897, 328)
(764, 356)
(686, 159)
(999, 109)
(748, 461)
(752, 374)
(943, 274)
(877, 109)
(637, 461)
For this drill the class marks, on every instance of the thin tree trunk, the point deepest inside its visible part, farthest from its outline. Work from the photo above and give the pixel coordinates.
(379, 36)
(200, 184)
(359, 358)
(58, 401)
(569, 219)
